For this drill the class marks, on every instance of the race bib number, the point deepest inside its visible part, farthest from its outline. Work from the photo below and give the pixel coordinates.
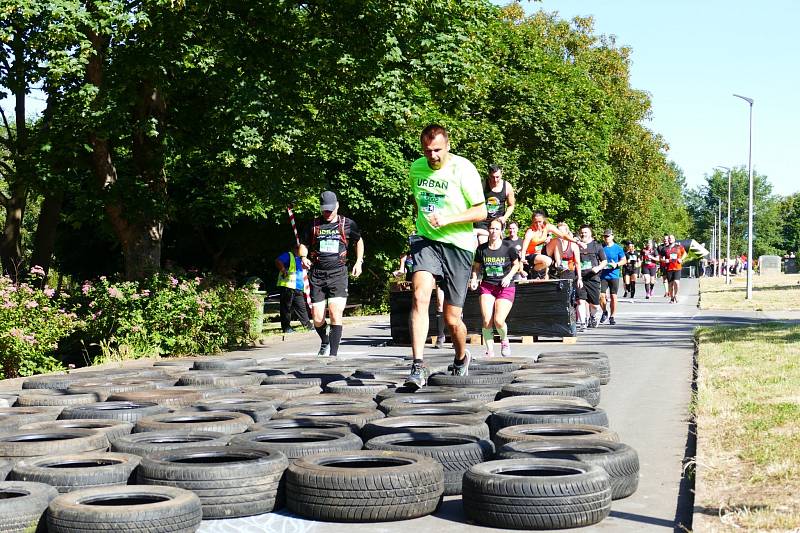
(632, 258)
(494, 271)
(585, 265)
(430, 202)
(673, 256)
(329, 246)
(565, 263)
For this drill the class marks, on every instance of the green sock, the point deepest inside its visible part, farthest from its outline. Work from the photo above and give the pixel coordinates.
(503, 332)
(488, 338)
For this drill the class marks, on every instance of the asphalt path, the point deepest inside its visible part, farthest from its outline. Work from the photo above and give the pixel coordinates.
(651, 351)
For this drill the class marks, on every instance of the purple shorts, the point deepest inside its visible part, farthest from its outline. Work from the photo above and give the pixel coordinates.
(498, 291)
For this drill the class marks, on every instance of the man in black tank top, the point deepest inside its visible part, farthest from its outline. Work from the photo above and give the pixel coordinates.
(500, 202)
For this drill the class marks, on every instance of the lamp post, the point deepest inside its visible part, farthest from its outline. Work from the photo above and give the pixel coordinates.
(713, 244)
(749, 203)
(728, 226)
(719, 234)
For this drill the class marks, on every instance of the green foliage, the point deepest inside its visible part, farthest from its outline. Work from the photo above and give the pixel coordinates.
(164, 315)
(32, 322)
(790, 210)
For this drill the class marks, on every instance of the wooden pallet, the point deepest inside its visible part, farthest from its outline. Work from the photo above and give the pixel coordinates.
(475, 338)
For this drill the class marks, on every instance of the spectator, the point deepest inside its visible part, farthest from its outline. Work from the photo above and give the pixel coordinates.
(291, 282)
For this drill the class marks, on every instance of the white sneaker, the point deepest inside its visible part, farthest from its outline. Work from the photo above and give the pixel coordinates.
(505, 348)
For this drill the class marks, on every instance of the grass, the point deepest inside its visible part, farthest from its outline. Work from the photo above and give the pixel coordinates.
(775, 292)
(748, 426)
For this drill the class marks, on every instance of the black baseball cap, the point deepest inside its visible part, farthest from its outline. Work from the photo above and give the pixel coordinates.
(608, 233)
(328, 201)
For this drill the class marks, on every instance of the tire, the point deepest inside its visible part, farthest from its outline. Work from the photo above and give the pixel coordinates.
(20, 444)
(49, 397)
(8, 399)
(23, 504)
(78, 471)
(598, 361)
(359, 388)
(494, 365)
(550, 371)
(425, 424)
(126, 411)
(258, 409)
(171, 397)
(215, 378)
(476, 378)
(327, 400)
(111, 428)
(294, 443)
(285, 390)
(531, 399)
(105, 388)
(548, 414)
(536, 494)
(143, 444)
(291, 380)
(59, 381)
(132, 508)
(354, 415)
(327, 374)
(332, 486)
(12, 418)
(552, 387)
(552, 432)
(220, 363)
(222, 421)
(296, 423)
(445, 410)
(619, 460)
(427, 400)
(455, 452)
(231, 481)
(428, 389)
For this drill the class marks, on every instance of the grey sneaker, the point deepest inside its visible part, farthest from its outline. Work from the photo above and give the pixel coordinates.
(612, 321)
(418, 376)
(604, 317)
(592, 323)
(324, 350)
(463, 368)
(439, 343)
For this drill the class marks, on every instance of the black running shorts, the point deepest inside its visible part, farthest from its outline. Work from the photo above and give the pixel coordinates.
(328, 283)
(590, 291)
(609, 285)
(673, 275)
(450, 265)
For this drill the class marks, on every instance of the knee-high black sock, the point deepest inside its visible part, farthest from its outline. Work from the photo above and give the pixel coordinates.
(633, 288)
(439, 324)
(336, 338)
(322, 331)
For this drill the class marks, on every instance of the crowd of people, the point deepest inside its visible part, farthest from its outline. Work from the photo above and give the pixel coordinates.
(466, 239)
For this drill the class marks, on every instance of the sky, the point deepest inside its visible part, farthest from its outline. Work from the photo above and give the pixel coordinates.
(691, 56)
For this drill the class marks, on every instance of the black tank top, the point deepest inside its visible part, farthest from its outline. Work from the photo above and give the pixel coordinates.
(495, 201)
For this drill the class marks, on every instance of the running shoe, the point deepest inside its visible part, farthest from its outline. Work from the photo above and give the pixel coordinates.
(439, 343)
(592, 322)
(463, 368)
(625, 295)
(612, 321)
(604, 317)
(324, 350)
(505, 348)
(647, 296)
(418, 376)
(580, 327)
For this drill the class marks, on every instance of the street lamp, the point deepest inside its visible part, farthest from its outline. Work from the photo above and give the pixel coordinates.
(728, 248)
(749, 204)
(719, 234)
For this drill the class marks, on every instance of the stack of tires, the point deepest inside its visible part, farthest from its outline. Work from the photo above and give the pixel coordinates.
(522, 440)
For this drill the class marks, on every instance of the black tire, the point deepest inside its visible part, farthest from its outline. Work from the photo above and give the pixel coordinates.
(424, 424)
(552, 432)
(231, 481)
(5, 468)
(426, 400)
(77, 471)
(619, 460)
(597, 360)
(215, 378)
(134, 508)
(553, 387)
(550, 371)
(474, 378)
(354, 415)
(12, 418)
(223, 363)
(332, 486)
(105, 388)
(295, 423)
(22, 505)
(48, 397)
(531, 399)
(126, 411)
(494, 365)
(284, 390)
(58, 381)
(548, 414)
(20, 444)
(429, 389)
(455, 452)
(258, 409)
(359, 388)
(445, 410)
(327, 374)
(111, 428)
(291, 380)
(143, 444)
(171, 397)
(300, 442)
(222, 421)
(536, 494)
(327, 400)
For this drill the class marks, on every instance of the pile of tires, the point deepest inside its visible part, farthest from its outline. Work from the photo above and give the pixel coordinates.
(522, 440)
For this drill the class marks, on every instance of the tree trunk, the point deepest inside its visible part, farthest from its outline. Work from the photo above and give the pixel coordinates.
(11, 247)
(45, 239)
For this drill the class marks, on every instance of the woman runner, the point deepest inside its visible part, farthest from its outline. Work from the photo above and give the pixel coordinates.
(629, 270)
(539, 248)
(649, 268)
(571, 264)
(499, 261)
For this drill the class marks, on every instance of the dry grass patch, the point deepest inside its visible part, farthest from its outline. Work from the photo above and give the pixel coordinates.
(748, 427)
(775, 292)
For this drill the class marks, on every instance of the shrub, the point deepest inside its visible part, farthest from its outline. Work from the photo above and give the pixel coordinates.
(32, 322)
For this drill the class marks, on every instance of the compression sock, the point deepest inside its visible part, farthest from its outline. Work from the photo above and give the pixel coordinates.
(652, 288)
(633, 289)
(322, 331)
(503, 333)
(488, 339)
(439, 325)
(335, 338)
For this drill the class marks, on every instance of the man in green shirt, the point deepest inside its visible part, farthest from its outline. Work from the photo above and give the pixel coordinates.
(449, 196)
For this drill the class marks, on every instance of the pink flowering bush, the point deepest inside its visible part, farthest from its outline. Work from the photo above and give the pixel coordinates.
(164, 315)
(32, 323)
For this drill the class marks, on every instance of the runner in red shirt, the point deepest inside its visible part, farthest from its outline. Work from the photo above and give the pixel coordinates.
(674, 254)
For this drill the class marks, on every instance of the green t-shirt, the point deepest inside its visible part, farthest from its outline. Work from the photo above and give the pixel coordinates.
(452, 189)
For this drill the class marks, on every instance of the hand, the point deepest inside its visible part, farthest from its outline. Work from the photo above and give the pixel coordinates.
(473, 284)
(437, 220)
(579, 284)
(398, 273)
(506, 281)
(357, 269)
(582, 245)
(306, 262)
(502, 220)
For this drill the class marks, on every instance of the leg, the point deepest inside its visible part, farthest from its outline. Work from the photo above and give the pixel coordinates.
(335, 311)
(439, 317)
(422, 283)
(458, 331)
(552, 249)
(542, 264)
(301, 308)
(633, 285)
(286, 308)
(487, 311)
(502, 307)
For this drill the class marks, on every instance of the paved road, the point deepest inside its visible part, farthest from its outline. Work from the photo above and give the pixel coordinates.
(650, 349)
